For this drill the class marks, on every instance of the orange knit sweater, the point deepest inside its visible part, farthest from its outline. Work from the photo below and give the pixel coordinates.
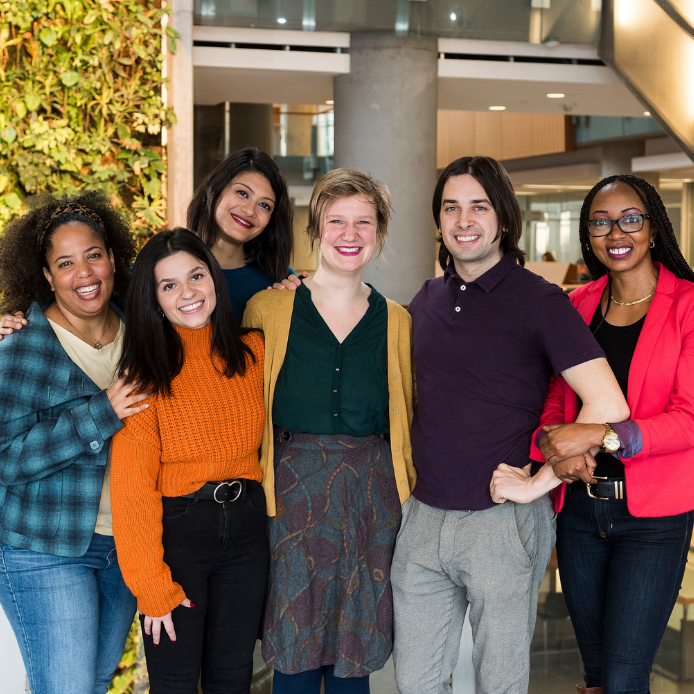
(209, 429)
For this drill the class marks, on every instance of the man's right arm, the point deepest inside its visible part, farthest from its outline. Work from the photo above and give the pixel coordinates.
(603, 402)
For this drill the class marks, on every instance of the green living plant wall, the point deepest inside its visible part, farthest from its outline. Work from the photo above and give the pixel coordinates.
(81, 103)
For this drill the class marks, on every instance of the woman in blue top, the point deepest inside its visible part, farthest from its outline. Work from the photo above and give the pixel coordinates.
(243, 213)
(60, 584)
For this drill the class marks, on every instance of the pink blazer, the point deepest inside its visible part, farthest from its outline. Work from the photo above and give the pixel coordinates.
(660, 478)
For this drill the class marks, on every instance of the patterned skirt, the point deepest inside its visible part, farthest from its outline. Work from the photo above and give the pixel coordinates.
(329, 598)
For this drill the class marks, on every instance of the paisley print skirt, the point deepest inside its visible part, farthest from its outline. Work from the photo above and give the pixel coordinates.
(329, 598)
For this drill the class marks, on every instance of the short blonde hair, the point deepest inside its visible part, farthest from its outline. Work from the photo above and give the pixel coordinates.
(346, 183)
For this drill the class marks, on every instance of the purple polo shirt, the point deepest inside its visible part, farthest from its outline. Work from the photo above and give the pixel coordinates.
(484, 353)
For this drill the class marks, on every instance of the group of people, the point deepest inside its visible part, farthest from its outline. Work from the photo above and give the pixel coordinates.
(237, 461)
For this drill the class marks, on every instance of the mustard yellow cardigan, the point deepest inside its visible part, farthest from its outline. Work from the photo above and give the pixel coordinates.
(270, 313)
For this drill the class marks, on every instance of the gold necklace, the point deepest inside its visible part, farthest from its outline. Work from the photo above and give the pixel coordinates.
(97, 344)
(632, 303)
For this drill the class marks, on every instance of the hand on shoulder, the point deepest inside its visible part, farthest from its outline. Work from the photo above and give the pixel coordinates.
(11, 322)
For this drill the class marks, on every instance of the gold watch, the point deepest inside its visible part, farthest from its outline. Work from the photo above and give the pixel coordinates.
(610, 441)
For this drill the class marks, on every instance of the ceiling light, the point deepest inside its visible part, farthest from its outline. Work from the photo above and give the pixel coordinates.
(497, 108)
(330, 102)
(646, 113)
(281, 20)
(556, 96)
(454, 16)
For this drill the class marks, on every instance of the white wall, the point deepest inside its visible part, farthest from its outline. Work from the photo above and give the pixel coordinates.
(12, 672)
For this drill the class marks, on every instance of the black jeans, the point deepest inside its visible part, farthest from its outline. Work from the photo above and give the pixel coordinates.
(219, 554)
(621, 576)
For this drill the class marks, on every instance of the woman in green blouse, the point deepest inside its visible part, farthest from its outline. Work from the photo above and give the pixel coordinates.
(336, 453)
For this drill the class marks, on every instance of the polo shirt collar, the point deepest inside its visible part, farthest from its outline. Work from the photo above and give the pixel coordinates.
(489, 279)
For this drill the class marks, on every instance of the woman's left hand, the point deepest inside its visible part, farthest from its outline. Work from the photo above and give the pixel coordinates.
(564, 441)
(153, 625)
(512, 484)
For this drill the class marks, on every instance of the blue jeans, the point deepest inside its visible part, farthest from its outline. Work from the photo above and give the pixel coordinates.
(621, 576)
(71, 615)
(309, 683)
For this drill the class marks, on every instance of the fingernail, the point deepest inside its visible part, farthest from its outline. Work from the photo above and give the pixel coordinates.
(156, 644)
(174, 641)
(192, 604)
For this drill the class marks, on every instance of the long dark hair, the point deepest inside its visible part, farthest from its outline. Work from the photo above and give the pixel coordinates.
(272, 248)
(28, 241)
(665, 249)
(497, 185)
(152, 350)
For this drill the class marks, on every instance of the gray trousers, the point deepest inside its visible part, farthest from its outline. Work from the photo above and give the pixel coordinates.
(491, 560)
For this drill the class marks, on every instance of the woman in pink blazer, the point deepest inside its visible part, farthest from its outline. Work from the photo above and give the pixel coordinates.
(627, 495)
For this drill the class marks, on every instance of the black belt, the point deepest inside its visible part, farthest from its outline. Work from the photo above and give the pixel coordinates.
(221, 492)
(605, 488)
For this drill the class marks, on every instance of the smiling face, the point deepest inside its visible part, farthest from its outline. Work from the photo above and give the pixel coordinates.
(80, 270)
(245, 207)
(185, 290)
(348, 235)
(469, 225)
(619, 251)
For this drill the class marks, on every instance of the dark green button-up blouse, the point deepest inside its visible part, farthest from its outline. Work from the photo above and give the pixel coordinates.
(328, 387)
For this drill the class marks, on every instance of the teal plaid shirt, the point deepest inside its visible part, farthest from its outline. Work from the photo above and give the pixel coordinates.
(55, 430)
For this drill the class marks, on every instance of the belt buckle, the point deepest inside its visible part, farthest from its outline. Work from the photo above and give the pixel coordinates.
(228, 484)
(590, 484)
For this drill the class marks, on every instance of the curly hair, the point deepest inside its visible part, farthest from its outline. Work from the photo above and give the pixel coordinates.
(665, 250)
(27, 242)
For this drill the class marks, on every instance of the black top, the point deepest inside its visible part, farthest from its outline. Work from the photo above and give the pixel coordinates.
(328, 387)
(618, 342)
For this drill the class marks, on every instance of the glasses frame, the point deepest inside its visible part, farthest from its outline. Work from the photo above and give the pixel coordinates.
(643, 216)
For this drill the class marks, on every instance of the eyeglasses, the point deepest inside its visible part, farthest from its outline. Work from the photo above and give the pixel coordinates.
(629, 224)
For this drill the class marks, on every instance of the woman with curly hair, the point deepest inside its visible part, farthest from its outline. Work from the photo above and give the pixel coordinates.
(625, 526)
(60, 584)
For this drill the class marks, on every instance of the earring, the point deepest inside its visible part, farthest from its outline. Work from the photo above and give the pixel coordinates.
(651, 244)
(161, 314)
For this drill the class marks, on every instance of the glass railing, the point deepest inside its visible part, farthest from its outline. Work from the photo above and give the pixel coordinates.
(537, 21)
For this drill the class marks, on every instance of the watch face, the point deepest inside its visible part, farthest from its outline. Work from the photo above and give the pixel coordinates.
(611, 442)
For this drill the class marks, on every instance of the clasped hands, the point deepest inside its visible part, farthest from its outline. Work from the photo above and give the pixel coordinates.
(568, 450)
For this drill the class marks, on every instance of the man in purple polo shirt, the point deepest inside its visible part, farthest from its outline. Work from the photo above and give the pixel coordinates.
(487, 337)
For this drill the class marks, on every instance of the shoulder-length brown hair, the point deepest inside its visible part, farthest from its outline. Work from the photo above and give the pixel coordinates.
(271, 250)
(493, 178)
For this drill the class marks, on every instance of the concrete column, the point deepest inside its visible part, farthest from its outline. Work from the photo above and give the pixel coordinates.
(250, 124)
(617, 156)
(179, 138)
(385, 123)
(687, 228)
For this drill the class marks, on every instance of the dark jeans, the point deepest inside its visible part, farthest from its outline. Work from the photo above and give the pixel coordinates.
(309, 682)
(219, 554)
(621, 576)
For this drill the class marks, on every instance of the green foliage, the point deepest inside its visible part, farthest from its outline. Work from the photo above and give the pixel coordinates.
(128, 678)
(81, 103)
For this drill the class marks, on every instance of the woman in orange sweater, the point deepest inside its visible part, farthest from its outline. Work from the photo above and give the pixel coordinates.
(188, 507)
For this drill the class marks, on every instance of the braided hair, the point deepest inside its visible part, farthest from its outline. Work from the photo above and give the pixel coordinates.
(665, 251)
